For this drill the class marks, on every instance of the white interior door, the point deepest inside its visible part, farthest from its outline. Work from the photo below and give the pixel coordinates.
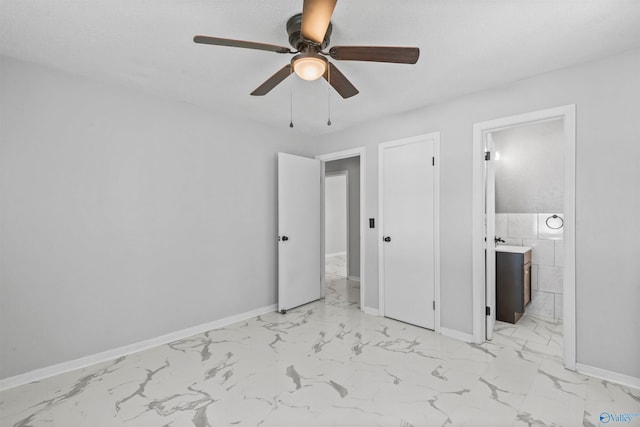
(299, 276)
(490, 233)
(408, 229)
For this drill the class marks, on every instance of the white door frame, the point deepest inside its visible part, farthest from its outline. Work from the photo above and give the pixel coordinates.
(435, 136)
(568, 114)
(354, 152)
(490, 230)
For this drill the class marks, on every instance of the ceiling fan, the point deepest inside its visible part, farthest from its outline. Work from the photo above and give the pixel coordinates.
(309, 33)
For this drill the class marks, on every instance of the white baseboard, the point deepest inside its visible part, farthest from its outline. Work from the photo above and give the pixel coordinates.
(371, 311)
(354, 278)
(452, 333)
(83, 362)
(335, 254)
(615, 377)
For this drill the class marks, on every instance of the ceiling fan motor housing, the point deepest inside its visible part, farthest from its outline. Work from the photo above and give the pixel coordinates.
(294, 25)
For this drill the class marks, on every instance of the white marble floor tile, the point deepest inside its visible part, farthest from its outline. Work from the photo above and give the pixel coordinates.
(537, 336)
(327, 364)
(606, 400)
(336, 265)
(557, 397)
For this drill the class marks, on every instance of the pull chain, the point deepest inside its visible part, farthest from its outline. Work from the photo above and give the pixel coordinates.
(290, 106)
(329, 95)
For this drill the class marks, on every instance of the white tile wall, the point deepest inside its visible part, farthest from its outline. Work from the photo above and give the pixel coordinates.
(547, 257)
(511, 241)
(501, 225)
(545, 232)
(542, 304)
(558, 303)
(550, 279)
(559, 250)
(522, 225)
(543, 251)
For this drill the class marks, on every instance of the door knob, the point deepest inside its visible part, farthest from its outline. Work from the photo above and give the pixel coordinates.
(285, 238)
(387, 239)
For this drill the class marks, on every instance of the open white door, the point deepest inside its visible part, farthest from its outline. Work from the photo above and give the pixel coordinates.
(490, 233)
(298, 231)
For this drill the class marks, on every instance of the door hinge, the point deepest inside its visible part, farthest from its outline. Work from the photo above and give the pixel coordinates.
(434, 305)
(487, 311)
(487, 155)
(433, 161)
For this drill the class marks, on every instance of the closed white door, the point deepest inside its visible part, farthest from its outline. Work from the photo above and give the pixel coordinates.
(299, 226)
(408, 232)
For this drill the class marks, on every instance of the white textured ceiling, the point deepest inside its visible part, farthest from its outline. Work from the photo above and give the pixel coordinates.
(466, 46)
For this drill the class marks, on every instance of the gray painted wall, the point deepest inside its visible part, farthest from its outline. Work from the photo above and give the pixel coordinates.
(607, 95)
(351, 164)
(530, 171)
(124, 217)
(116, 227)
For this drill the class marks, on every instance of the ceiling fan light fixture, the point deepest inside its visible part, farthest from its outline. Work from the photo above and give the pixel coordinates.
(309, 66)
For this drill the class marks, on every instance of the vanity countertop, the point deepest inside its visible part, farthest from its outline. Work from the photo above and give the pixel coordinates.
(513, 249)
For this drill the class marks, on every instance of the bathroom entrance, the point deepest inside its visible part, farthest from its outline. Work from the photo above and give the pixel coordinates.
(524, 276)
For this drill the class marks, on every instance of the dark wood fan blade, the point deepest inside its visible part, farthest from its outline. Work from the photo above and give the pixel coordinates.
(340, 83)
(316, 15)
(241, 43)
(273, 81)
(398, 55)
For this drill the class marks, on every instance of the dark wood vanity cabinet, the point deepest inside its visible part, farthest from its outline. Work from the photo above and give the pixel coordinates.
(513, 284)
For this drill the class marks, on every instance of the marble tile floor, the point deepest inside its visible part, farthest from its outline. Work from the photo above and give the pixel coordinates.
(533, 333)
(326, 364)
(340, 291)
(335, 266)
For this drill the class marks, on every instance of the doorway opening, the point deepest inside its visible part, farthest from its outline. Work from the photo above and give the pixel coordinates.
(524, 208)
(524, 213)
(339, 288)
(342, 228)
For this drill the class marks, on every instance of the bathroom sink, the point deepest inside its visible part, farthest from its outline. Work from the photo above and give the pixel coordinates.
(513, 249)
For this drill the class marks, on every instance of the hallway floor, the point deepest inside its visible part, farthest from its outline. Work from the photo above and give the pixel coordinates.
(328, 364)
(340, 291)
